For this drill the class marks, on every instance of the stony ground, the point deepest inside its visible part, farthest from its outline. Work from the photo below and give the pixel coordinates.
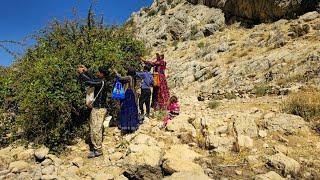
(239, 139)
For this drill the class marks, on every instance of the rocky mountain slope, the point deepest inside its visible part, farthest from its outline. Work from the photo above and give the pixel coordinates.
(231, 82)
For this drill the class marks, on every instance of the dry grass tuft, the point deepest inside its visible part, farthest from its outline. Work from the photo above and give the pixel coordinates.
(305, 104)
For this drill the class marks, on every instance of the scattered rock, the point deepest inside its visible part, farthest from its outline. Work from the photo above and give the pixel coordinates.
(41, 153)
(144, 139)
(281, 149)
(245, 126)
(286, 123)
(187, 176)
(284, 163)
(144, 155)
(49, 170)
(26, 155)
(269, 176)
(252, 159)
(115, 156)
(78, 161)
(143, 172)
(19, 166)
(46, 162)
(103, 176)
(49, 177)
(244, 141)
(262, 133)
(180, 158)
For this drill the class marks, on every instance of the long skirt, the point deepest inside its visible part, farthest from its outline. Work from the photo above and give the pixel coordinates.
(163, 94)
(128, 117)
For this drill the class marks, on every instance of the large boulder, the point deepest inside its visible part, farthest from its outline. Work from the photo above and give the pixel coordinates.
(284, 163)
(285, 123)
(261, 10)
(245, 125)
(144, 155)
(179, 158)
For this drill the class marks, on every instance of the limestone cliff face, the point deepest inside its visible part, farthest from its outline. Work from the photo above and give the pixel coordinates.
(261, 10)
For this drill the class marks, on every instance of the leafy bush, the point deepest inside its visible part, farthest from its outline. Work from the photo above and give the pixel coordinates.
(48, 93)
(261, 90)
(163, 9)
(305, 104)
(152, 12)
(213, 104)
(231, 95)
(201, 45)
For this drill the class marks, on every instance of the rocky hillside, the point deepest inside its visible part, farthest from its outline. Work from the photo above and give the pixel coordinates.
(256, 11)
(217, 60)
(231, 82)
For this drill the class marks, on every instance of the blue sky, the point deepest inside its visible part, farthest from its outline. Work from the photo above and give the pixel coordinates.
(20, 18)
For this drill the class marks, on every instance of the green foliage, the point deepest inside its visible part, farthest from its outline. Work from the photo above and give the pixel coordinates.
(231, 95)
(152, 12)
(46, 87)
(163, 9)
(261, 90)
(213, 104)
(194, 30)
(169, 2)
(201, 45)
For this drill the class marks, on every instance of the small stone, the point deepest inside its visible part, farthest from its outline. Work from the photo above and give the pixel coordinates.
(49, 177)
(262, 133)
(41, 153)
(4, 172)
(282, 139)
(238, 172)
(269, 176)
(111, 150)
(265, 145)
(46, 162)
(48, 170)
(281, 149)
(78, 161)
(103, 176)
(317, 145)
(122, 177)
(252, 159)
(245, 141)
(115, 156)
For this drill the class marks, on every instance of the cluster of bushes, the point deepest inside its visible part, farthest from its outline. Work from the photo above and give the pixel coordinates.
(306, 104)
(42, 88)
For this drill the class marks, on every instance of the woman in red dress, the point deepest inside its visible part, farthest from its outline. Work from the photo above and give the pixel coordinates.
(160, 95)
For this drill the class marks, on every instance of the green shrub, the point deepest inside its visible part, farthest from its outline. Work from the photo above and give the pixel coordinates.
(163, 9)
(194, 30)
(213, 104)
(169, 2)
(305, 104)
(231, 95)
(261, 90)
(201, 45)
(152, 12)
(48, 92)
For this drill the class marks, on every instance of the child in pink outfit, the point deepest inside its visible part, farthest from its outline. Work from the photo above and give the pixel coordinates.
(173, 109)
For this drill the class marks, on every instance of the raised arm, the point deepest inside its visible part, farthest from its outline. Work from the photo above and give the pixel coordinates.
(89, 80)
